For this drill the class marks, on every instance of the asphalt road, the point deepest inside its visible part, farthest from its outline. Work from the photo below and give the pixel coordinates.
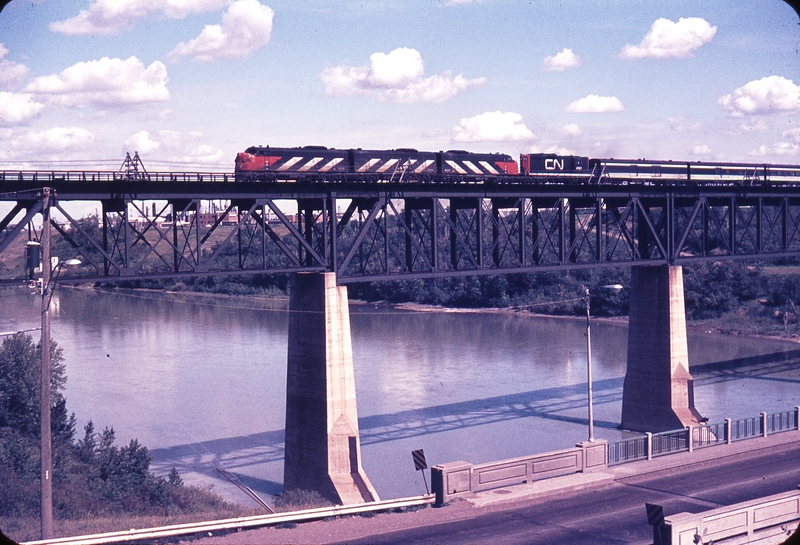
(616, 514)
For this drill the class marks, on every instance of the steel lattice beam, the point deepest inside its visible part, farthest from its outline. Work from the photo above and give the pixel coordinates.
(399, 231)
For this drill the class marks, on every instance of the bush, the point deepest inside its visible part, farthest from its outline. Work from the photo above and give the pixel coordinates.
(298, 499)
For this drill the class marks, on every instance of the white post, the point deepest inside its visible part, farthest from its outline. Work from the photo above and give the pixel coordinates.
(649, 445)
(689, 431)
(728, 430)
(764, 424)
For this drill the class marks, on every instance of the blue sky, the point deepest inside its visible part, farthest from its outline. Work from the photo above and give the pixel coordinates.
(188, 83)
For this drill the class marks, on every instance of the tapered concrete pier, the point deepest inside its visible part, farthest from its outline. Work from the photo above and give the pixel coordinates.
(323, 450)
(658, 391)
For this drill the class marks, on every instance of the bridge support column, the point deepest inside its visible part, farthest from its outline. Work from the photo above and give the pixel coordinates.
(323, 450)
(658, 390)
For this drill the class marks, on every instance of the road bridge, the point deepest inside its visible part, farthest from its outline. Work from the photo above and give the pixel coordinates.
(336, 232)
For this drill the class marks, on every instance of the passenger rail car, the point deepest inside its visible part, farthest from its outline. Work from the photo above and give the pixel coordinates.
(625, 171)
(318, 163)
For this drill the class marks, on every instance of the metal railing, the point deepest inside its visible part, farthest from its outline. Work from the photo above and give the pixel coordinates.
(651, 445)
(627, 450)
(746, 428)
(113, 176)
(784, 421)
(669, 442)
(710, 435)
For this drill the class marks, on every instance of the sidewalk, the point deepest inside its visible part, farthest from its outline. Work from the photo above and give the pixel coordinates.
(581, 481)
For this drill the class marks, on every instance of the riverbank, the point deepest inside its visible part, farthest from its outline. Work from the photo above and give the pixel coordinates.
(755, 320)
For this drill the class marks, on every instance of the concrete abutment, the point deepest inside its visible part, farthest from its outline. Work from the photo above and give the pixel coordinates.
(658, 391)
(323, 449)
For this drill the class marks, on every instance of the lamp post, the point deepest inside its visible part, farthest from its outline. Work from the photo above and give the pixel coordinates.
(49, 279)
(616, 288)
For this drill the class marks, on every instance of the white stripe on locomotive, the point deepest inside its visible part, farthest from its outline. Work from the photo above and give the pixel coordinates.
(387, 165)
(313, 162)
(423, 166)
(470, 165)
(368, 165)
(330, 164)
(455, 166)
(489, 167)
(289, 164)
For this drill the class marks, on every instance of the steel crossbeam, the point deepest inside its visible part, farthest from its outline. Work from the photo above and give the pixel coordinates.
(387, 231)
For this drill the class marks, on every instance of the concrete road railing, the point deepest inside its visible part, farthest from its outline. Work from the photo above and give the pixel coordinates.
(457, 479)
(765, 520)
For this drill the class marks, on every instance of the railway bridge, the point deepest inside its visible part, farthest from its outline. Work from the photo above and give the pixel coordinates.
(178, 224)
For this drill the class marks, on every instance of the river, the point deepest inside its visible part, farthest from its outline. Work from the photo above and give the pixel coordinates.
(202, 384)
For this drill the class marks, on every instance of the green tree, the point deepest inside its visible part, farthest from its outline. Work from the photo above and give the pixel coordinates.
(20, 389)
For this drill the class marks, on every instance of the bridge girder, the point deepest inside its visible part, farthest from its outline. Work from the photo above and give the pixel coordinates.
(400, 231)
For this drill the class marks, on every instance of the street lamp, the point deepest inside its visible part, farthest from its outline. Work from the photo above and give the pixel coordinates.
(50, 269)
(615, 288)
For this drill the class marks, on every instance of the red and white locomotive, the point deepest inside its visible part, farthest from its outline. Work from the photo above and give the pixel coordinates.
(320, 163)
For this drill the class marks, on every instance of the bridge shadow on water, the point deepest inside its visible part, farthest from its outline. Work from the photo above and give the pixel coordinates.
(236, 454)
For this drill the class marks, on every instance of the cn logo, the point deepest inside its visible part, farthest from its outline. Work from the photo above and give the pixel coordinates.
(554, 164)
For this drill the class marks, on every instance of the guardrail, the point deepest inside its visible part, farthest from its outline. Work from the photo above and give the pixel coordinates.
(149, 534)
(768, 519)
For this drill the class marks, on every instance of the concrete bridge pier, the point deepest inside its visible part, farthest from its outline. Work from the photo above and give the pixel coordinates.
(658, 392)
(323, 450)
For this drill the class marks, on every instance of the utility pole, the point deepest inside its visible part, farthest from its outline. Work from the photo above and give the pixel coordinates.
(46, 437)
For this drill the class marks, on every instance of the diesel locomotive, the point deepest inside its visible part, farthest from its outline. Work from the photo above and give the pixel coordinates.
(321, 164)
(403, 164)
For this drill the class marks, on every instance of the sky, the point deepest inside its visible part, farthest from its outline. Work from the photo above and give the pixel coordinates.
(189, 83)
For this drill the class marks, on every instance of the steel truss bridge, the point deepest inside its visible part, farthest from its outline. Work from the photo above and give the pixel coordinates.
(162, 227)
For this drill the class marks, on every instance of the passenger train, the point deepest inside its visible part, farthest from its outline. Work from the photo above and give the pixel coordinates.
(318, 163)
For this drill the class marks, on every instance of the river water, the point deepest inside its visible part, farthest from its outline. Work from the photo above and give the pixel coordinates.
(202, 384)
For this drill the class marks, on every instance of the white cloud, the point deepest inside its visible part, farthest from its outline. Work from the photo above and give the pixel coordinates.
(778, 148)
(203, 154)
(492, 127)
(246, 26)
(108, 17)
(594, 104)
(394, 77)
(398, 69)
(142, 142)
(670, 39)
(57, 139)
(12, 74)
(558, 150)
(571, 129)
(104, 83)
(18, 108)
(178, 146)
(561, 61)
(701, 149)
(462, 2)
(769, 95)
